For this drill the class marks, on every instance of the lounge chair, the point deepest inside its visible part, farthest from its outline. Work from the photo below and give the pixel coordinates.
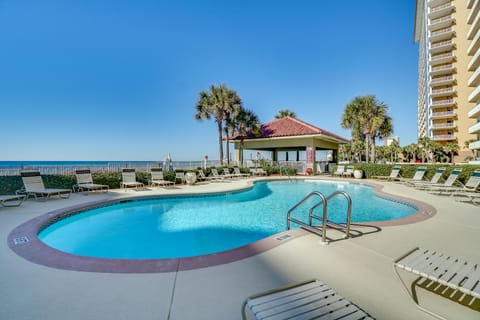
(448, 183)
(348, 172)
(470, 187)
(202, 177)
(33, 186)
(180, 176)
(217, 176)
(418, 176)
(339, 172)
(237, 173)
(130, 180)
(435, 270)
(227, 174)
(258, 172)
(394, 174)
(435, 179)
(158, 179)
(308, 300)
(13, 200)
(85, 182)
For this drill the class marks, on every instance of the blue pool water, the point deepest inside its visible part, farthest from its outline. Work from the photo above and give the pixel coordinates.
(191, 226)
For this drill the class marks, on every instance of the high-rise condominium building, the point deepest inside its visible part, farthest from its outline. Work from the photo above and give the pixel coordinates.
(448, 33)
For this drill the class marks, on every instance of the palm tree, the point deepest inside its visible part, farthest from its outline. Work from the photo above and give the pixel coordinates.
(385, 130)
(467, 146)
(245, 122)
(451, 148)
(365, 115)
(217, 103)
(425, 146)
(285, 113)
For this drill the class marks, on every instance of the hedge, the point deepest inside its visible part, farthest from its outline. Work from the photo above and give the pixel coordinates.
(408, 170)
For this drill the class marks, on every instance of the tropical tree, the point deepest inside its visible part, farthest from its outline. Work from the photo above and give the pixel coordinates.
(365, 115)
(285, 113)
(218, 103)
(245, 122)
(425, 148)
(467, 146)
(385, 130)
(451, 148)
(393, 149)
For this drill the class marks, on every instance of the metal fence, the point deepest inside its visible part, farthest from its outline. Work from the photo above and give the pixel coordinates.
(107, 168)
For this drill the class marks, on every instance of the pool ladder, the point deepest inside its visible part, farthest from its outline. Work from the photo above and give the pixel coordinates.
(322, 230)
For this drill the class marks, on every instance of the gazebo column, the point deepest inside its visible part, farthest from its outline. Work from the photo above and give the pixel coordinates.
(310, 160)
(237, 155)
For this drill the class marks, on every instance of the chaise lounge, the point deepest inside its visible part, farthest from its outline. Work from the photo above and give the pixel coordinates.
(13, 200)
(158, 178)
(33, 186)
(129, 180)
(307, 300)
(85, 182)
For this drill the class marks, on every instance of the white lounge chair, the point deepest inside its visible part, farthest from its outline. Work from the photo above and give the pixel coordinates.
(216, 176)
(418, 176)
(308, 300)
(434, 269)
(33, 186)
(227, 174)
(435, 179)
(348, 172)
(448, 183)
(467, 190)
(13, 200)
(85, 182)
(158, 178)
(258, 172)
(129, 179)
(180, 176)
(340, 170)
(394, 174)
(237, 173)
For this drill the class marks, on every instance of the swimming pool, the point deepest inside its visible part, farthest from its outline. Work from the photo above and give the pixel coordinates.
(178, 227)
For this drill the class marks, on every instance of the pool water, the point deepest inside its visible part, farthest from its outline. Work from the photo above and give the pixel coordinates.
(180, 227)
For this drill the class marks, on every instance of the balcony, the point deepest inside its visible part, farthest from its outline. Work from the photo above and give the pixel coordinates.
(470, 4)
(475, 129)
(442, 103)
(475, 95)
(443, 69)
(474, 79)
(441, 46)
(435, 3)
(475, 112)
(449, 91)
(473, 12)
(474, 145)
(442, 58)
(444, 137)
(442, 81)
(473, 28)
(440, 23)
(442, 34)
(443, 115)
(474, 62)
(441, 10)
(442, 126)
(473, 47)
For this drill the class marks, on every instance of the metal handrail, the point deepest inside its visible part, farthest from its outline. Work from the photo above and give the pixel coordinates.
(324, 218)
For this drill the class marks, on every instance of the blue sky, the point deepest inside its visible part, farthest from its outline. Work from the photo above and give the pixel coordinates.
(118, 80)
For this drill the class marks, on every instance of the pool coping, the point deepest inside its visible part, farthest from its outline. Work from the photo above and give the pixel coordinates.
(23, 240)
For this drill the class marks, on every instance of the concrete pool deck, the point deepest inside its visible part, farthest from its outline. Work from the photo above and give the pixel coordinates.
(359, 269)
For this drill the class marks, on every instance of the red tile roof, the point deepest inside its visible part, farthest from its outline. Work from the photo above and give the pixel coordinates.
(293, 127)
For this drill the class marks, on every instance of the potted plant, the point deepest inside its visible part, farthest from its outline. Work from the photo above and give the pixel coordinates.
(357, 173)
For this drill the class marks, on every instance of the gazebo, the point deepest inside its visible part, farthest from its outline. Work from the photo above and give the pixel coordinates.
(293, 138)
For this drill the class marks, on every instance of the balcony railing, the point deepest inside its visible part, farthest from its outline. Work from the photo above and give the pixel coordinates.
(474, 145)
(475, 112)
(475, 95)
(474, 62)
(474, 129)
(448, 90)
(443, 6)
(441, 44)
(442, 79)
(443, 126)
(444, 67)
(442, 56)
(474, 79)
(442, 102)
(442, 19)
(444, 114)
(441, 31)
(442, 137)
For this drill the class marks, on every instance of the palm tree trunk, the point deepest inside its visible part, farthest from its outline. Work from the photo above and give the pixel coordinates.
(367, 147)
(220, 143)
(227, 146)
